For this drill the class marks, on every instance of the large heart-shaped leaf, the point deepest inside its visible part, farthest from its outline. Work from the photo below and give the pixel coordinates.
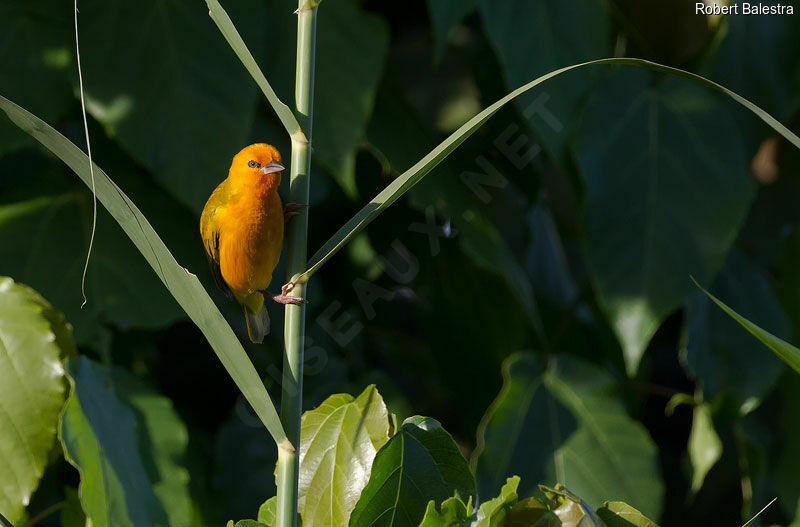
(420, 463)
(532, 38)
(563, 423)
(33, 337)
(338, 443)
(120, 288)
(667, 188)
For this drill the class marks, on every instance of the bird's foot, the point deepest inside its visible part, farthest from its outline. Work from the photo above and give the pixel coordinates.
(284, 298)
(292, 209)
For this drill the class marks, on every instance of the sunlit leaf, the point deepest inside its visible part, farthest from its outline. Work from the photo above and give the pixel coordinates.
(705, 447)
(338, 442)
(619, 514)
(453, 513)
(33, 338)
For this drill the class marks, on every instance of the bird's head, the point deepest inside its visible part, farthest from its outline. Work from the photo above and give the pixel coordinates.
(257, 163)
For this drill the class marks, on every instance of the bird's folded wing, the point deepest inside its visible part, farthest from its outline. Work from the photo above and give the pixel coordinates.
(209, 231)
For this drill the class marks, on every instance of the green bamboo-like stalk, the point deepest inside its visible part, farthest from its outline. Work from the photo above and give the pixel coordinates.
(294, 328)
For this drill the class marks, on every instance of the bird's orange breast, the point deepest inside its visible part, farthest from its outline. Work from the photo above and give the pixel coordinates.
(250, 241)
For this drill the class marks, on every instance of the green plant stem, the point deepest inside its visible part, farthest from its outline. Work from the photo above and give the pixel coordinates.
(297, 229)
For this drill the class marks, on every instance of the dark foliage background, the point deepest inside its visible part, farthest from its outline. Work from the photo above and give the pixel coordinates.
(574, 245)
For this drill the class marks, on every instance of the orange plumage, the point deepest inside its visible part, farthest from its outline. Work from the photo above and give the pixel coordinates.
(242, 231)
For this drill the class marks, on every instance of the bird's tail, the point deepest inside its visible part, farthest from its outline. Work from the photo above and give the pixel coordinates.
(257, 318)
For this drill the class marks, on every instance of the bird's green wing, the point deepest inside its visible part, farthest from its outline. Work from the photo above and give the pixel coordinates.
(209, 231)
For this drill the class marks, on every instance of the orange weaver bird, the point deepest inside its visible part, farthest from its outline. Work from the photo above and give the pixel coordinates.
(242, 231)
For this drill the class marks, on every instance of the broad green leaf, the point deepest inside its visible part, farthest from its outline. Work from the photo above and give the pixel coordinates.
(246, 523)
(493, 512)
(33, 338)
(420, 463)
(546, 260)
(445, 15)
(571, 509)
(705, 446)
(346, 87)
(453, 513)
(163, 440)
(266, 513)
(620, 514)
(98, 433)
(788, 353)
(36, 46)
(671, 155)
(128, 444)
(338, 442)
(225, 25)
(719, 352)
(532, 512)
(120, 289)
(174, 96)
(532, 38)
(183, 285)
(563, 423)
(413, 175)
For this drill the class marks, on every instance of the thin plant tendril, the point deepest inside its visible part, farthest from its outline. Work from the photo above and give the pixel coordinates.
(91, 165)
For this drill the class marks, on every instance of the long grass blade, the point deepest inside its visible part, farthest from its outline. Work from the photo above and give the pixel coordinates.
(788, 353)
(183, 285)
(413, 175)
(223, 21)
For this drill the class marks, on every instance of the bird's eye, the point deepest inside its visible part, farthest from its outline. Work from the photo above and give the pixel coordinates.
(253, 164)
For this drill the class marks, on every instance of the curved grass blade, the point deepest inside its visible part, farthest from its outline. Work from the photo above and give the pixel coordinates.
(223, 21)
(182, 284)
(788, 353)
(413, 175)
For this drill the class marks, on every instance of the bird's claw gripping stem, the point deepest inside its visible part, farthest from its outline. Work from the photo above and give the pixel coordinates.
(292, 209)
(284, 298)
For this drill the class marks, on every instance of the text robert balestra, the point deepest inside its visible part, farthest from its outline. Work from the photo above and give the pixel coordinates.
(701, 8)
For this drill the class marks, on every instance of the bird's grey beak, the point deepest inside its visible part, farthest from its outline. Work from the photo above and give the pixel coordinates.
(269, 168)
